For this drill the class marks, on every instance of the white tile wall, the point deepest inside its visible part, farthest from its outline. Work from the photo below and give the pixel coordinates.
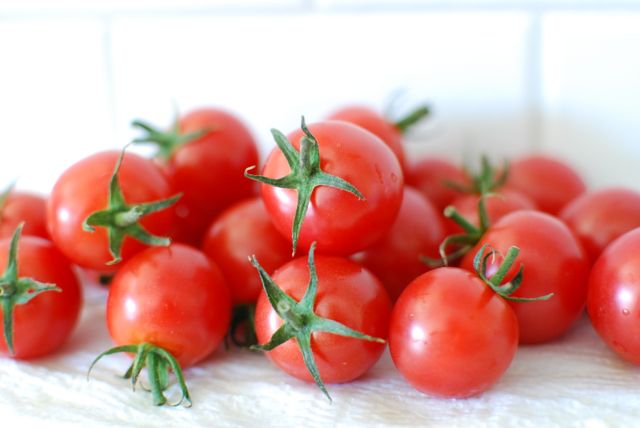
(54, 102)
(273, 69)
(503, 76)
(592, 93)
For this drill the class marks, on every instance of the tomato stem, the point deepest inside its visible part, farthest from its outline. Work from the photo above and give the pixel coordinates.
(166, 141)
(158, 362)
(5, 195)
(122, 219)
(506, 290)
(405, 123)
(462, 242)
(306, 174)
(17, 291)
(299, 319)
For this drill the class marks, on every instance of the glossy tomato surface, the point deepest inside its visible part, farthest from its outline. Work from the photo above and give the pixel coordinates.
(339, 221)
(347, 293)
(209, 170)
(599, 217)
(44, 323)
(451, 335)
(172, 297)
(497, 206)
(23, 207)
(549, 182)
(241, 231)
(430, 177)
(554, 262)
(375, 123)
(84, 188)
(613, 300)
(417, 231)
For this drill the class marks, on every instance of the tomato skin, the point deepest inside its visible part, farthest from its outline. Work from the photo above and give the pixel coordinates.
(347, 293)
(172, 297)
(83, 189)
(599, 217)
(451, 335)
(209, 170)
(340, 222)
(554, 262)
(23, 207)
(429, 176)
(417, 231)
(375, 123)
(242, 230)
(550, 183)
(503, 203)
(613, 300)
(43, 324)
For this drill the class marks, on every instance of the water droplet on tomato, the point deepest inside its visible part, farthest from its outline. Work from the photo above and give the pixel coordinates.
(625, 311)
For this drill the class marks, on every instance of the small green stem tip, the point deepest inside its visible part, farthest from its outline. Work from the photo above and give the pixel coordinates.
(304, 177)
(122, 219)
(418, 114)
(166, 141)
(17, 291)
(300, 320)
(158, 362)
(480, 264)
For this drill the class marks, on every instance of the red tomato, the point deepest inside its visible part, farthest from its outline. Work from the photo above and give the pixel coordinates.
(430, 175)
(239, 232)
(417, 231)
(551, 184)
(348, 294)
(209, 170)
(172, 297)
(339, 221)
(23, 207)
(375, 123)
(83, 189)
(613, 300)
(497, 206)
(451, 335)
(599, 217)
(44, 323)
(554, 262)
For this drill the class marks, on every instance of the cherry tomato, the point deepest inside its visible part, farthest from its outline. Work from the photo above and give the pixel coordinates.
(451, 335)
(550, 183)
(497, 206)
(599, 217)
(430, 175)
(44, 323)
(209, 170)
(417, 231)
(554, 262)
(340, 222)
(23, 207)
(243, 230)
(347, 293)
(613, 300)
(375, 123)
(172, 297)
(83, 189)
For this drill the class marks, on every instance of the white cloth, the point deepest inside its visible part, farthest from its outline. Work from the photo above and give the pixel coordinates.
(573, 382)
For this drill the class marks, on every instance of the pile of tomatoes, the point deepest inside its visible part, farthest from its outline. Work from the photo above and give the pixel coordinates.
(337, 245)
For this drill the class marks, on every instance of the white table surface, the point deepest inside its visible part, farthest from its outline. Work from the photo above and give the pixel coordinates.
(575, 382)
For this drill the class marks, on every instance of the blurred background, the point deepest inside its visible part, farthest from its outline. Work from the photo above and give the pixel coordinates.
(503, 76)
